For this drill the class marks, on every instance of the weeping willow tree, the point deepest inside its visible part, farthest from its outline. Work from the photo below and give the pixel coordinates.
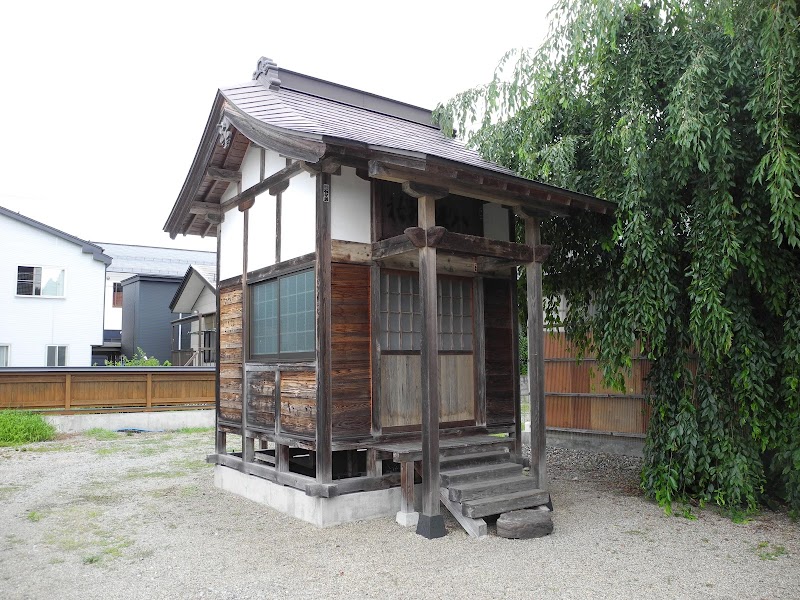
(686, 114)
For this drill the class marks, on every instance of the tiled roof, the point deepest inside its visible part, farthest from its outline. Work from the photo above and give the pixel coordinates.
(316, 116)
(149, 260)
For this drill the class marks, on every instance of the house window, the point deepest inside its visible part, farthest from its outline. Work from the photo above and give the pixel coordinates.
(40, 281)
(116, 301)
(401, 313)
(56, 356)
(282, 316)
(5, 354)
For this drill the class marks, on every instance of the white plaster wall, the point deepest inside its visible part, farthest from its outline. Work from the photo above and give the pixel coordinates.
(251, 167)
(495, 222)
(350, 207)
(231, 239)
(262, 230)
(30, 324)
(261, 233)
(298, 217)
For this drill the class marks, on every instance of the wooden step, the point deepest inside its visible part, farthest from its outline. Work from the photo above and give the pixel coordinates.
(479, 473)
(449, 463)
(495, 505)
(490, 487)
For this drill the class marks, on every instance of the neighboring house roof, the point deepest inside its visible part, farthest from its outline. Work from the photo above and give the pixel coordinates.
(86, 247)
(308, 119)
(149, 260)
(197, 278)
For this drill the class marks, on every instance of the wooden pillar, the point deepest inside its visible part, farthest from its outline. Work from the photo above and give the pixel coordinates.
(533, 271)
(431, 521)
(479, 348)
(220, 443)
(375, 364)
(323, 328)
(248, 443)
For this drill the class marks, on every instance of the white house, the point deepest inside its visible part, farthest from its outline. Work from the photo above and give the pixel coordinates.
(51, 295)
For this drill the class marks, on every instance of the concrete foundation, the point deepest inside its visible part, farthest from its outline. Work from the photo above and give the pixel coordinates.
(153, 421)
(322, 512)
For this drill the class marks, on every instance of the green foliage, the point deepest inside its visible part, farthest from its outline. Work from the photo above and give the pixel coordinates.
(19, 427)
(139, 359)
(686, 114)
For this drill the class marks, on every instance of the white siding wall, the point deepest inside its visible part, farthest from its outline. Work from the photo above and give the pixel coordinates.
(298, 217)
(206, 302)
(495, 222)
(30, 324)
(113, 316)
(350, 212)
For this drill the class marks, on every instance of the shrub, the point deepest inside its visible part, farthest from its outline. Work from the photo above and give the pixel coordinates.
(23, 427)
(139, 359)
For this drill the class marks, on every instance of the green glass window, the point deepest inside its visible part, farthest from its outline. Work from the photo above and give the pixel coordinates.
(282, 316)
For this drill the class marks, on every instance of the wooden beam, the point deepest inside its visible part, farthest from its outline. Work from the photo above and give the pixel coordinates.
(247, 441)
(205, 208)
(480, 246)
(399, 244)
(431, 522)
(379, 170)
(327, 165)
(223, 174)
(418, 190)
(324, 453)
(263, 186)
(536, 357)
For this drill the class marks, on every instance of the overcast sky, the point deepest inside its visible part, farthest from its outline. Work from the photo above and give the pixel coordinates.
(104, 102)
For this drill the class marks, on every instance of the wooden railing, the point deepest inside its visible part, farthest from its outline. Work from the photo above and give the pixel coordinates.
(69, 390)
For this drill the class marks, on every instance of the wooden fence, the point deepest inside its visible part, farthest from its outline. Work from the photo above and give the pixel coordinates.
(66, 390)
(577, 400)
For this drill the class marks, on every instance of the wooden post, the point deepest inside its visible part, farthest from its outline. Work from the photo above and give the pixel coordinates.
(221, 441)
(375, 331)
(431, 521)
(248, 446)
(323, 329)
(479, 349)
(533, 271)
(407, 516)
(68, 391)
(515, 361)
(149, 392)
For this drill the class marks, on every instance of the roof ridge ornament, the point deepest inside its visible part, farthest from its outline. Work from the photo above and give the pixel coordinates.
(267, 73)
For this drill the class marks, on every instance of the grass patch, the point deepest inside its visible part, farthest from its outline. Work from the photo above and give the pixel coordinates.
(141, 474)
(191, 464)
(108, 451)
(101, 434)
(195, 429)
(19, 427)
(7, 490)
(34, 516)
(47, 448)
(767, 551)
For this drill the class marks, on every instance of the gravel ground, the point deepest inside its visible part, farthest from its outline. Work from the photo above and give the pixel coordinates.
(139, 517)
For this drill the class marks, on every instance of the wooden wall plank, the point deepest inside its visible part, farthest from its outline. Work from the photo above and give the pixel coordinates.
(350, 350)
(499, 338)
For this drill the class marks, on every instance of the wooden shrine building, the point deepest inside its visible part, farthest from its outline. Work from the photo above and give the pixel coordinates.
(367, 311)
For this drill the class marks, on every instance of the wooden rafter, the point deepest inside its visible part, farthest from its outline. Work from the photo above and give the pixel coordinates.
(264, 186)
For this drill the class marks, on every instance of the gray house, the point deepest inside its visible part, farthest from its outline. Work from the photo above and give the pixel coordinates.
(141, 282)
